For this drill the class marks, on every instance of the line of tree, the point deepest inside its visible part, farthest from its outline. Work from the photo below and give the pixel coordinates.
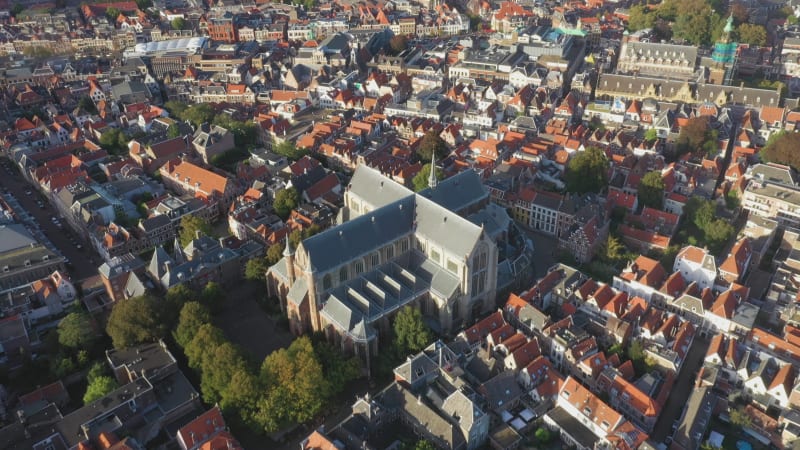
(292, 385)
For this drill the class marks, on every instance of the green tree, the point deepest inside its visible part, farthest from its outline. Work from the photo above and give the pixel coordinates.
(739, 12)
(256, 268)
(274, 254)
(431, 144)
(198, 114)
(636, 351)
(411, 335)
(201, 348)
(697, 22)
(640, 18)
(112, 13)
(587, 171)
(114, 141)
(212, 296)
(224, 362)
(75, 331)
(424, 445)
(740, 418)
(475, 22)
(697, 137)
(193, 315)
(699, 211)
(173, 131)
(241, 397)
(651, 190)
(397, 44)
(285, 201)
(717, 233)
(782, 148)
(144, 4)
(543, 435)
(135, 321)
(97, 370)
(244, 133)
(176, 108)
(190, 225)
(339, 370)
(732, 200)
(611, 251)
(177, 23)
(87, 105)
(289, 150)
(651, 135)
(752, 34)
(295, 384)
(17, 9)
(99, 388)
(420, 180)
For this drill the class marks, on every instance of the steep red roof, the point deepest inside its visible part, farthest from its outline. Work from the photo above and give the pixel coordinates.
(202, 428)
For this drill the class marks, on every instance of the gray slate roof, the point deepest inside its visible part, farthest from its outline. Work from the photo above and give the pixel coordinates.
(360, 235)
(458, 192)
(14, 236)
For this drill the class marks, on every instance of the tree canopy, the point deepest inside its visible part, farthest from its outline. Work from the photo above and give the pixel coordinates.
(289, 150)
(697, 21)
(740, 418)
(612, 251)
(640, 17)
(135, 321)
(651, 190)
(177, 23)
(114, 141)
(782, 149)
(697, 137)
(173, 131)
(87, 105)
(285, 201)
(587, 171)
(76, 331)
(398, 43)
(190, 225)
(193, 315)
(411, 335)
(752, 34)
(420, 180)
(99, 388)
(704, 226)
(112, 13)
(295, 384)
(432, 143)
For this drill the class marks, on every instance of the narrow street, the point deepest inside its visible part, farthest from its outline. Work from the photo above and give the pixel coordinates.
(84, 260)
(681, 390)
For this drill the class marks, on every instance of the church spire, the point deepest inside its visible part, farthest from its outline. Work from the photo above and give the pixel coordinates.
(288, 251)
(432, 181)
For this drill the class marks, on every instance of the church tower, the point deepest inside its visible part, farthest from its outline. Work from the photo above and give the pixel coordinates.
(724, 57)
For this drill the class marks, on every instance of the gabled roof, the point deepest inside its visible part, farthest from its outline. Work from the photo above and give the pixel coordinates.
(589, 405)
(784, 378)
(736, 262)
(202, 428)
(478, 332)
(635, 398)
(203, 180)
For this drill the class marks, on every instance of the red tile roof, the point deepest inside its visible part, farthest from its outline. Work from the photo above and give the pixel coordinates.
(480, 330)
(202, 428)
(736, 262)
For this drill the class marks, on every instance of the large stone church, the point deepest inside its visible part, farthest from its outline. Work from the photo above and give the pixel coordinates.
(441, 250)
